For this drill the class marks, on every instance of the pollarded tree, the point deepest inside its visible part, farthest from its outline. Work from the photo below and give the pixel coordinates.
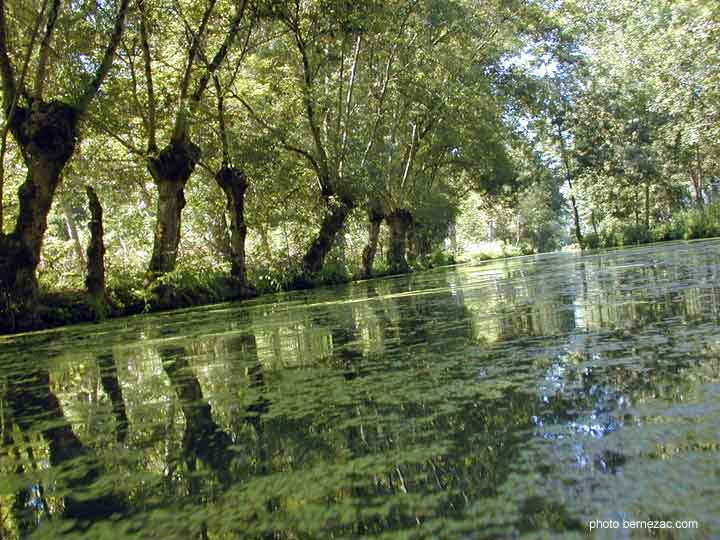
(208, 43)
(440, 128)
(233, 181)
(323, 90)
(43, 112)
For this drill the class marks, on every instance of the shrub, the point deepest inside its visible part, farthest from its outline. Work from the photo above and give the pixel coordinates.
(440, 257)
(691, 224)
(591, 241)
(636, 234)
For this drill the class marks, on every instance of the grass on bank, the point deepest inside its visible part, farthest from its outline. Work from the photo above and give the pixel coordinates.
(691, 224)
(63, 300)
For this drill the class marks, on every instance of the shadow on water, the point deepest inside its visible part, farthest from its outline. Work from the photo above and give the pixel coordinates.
(519, 398)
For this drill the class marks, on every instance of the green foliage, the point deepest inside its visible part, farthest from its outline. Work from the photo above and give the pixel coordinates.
(592, 241)
(689, 225)
(334, 272)
(487, 121)
(441, 257)
(701, 223)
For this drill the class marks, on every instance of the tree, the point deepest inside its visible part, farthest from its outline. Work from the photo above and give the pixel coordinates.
(233, 181)
(46, 130)
(172, 166)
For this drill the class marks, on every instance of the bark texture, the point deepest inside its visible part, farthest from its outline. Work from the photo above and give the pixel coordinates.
(234, 184)
(95, 279)
(576, 217)
(332, 223)
(375, 218)
(46, 134)
(399, 222)
(170, 170)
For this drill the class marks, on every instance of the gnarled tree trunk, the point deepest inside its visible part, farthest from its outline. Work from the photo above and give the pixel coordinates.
(46, 134)
(170, 170)
(375, 218)
(399, 222)
(332, 223)
(234, 183)
(95, 279)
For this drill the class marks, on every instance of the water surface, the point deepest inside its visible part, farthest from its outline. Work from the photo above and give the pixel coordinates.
(520, 398)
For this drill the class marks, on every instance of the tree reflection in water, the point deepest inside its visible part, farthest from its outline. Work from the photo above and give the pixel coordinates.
(522, 396)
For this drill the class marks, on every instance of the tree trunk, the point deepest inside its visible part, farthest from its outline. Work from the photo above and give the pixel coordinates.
(368, 255)
(399, 222)
(72, 231)
(568, 177)
(46, 134)
(170, 170)
(332, 223)
(576, 219)
(233, 183)
(695, 179)
(647, 205)
(340, 249)
(219, 235)
(636, 207)
(452, 235)
(95, 279)
(593, 221)
(424, 243)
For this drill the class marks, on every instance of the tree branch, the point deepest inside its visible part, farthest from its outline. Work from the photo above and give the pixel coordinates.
(348, 104)
(127, 145)
(323, 171)
(384, 89)
(152, 105)
(6, 69)
(107, 60)
(134, 82)
(180, 128)
(221, 121)
(41, 73)
(220, 55)
(279, 136)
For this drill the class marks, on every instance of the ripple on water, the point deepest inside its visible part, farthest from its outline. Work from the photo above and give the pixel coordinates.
(513, 399)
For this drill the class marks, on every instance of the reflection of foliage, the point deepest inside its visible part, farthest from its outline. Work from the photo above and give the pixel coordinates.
(508, 396)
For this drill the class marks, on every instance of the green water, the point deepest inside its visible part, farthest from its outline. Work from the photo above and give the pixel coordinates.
(514, 399)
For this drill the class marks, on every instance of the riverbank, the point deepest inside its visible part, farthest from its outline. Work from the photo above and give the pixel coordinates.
(694, 224)
(178, 290)
(186, 290)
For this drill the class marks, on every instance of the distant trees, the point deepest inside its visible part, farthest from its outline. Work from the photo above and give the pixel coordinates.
(637, 135)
